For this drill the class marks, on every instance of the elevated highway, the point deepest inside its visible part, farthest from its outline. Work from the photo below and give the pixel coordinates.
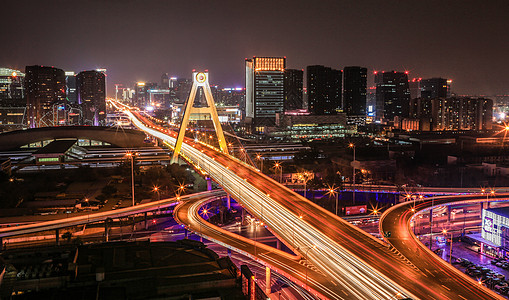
(397, 220)
(101, 216)
(360, 265)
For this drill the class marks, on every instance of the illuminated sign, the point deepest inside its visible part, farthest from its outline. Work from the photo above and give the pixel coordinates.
(488, 224)
(201, 77)
(269, 64)
(141, 83)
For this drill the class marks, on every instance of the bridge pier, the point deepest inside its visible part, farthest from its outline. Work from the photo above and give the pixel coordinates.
(228, 201)
(243, 218)
(186, 234)
(106, 230)
(449, 210)
(431, 228)
(268, 288)
(57, 236)
(229, 251)
(278, 244)
(146, 223)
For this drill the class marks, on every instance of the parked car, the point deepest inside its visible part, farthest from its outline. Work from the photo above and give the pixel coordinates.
(500, 276)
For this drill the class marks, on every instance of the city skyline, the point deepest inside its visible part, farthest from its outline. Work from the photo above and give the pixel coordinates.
(138, 41)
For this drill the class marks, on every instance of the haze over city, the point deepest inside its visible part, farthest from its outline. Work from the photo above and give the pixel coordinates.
(139, 40)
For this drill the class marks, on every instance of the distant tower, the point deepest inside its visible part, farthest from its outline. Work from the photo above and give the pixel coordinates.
(45, 92)
(324, 87)
(354, 94)
(165, 81)
(264, 90)
(91, 86)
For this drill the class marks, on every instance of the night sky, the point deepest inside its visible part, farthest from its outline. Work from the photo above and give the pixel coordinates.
(466, 41)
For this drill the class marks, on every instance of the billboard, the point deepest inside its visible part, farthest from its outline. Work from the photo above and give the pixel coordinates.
(356, 210)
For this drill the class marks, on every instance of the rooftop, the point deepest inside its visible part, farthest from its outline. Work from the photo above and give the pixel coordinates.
(56, 147)
(501, 211)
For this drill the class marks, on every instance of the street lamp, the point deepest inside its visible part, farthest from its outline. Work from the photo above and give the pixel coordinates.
(306, 258)
(156, 190)
(260, 158)
(131, 155)
(279, 166)
(332, 191)
(204, 212)
(450, 247)
(352, 145)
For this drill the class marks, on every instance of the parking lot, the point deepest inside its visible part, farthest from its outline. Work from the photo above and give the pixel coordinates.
(489, 271)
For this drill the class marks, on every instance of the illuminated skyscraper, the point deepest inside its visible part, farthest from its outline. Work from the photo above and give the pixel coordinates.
(293, 87)
(70, 87)
(91, 87)
(392, 95)
(11, 86)
(45, 93)
(264, 90)
(12, 99)
(324, 87)
(354, 94)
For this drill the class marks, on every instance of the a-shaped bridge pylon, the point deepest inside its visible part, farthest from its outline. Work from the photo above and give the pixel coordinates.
(200, 79)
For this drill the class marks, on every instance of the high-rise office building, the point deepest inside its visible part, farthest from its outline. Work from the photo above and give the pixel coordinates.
(12, 99)
(165, 81)
(354, 94)
(12, 86)
(434, 88)
(324, 86)
(264, 90)
(142, 95)
(293, 88)
(451, 114)
(182, 89)
(91, 88)
(70, 87)
(392, 95)
(45, 93)
(415, 88)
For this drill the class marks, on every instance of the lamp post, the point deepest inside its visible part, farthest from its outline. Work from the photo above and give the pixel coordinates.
(131, 155)
(260, 158)
(156, 190)
(306, 258)
(204, 211)
(352, 145)
(450, 247)
(333, 192)
(279, 166)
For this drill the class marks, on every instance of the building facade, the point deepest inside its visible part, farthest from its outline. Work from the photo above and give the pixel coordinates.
(293, 87)
(392, 95)
(70, 87)
(354, 94)
(434, 88)
(324, 88)
(452, 114)
(91, 90)
(12, 99)
(45, 94)
(264, 90)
